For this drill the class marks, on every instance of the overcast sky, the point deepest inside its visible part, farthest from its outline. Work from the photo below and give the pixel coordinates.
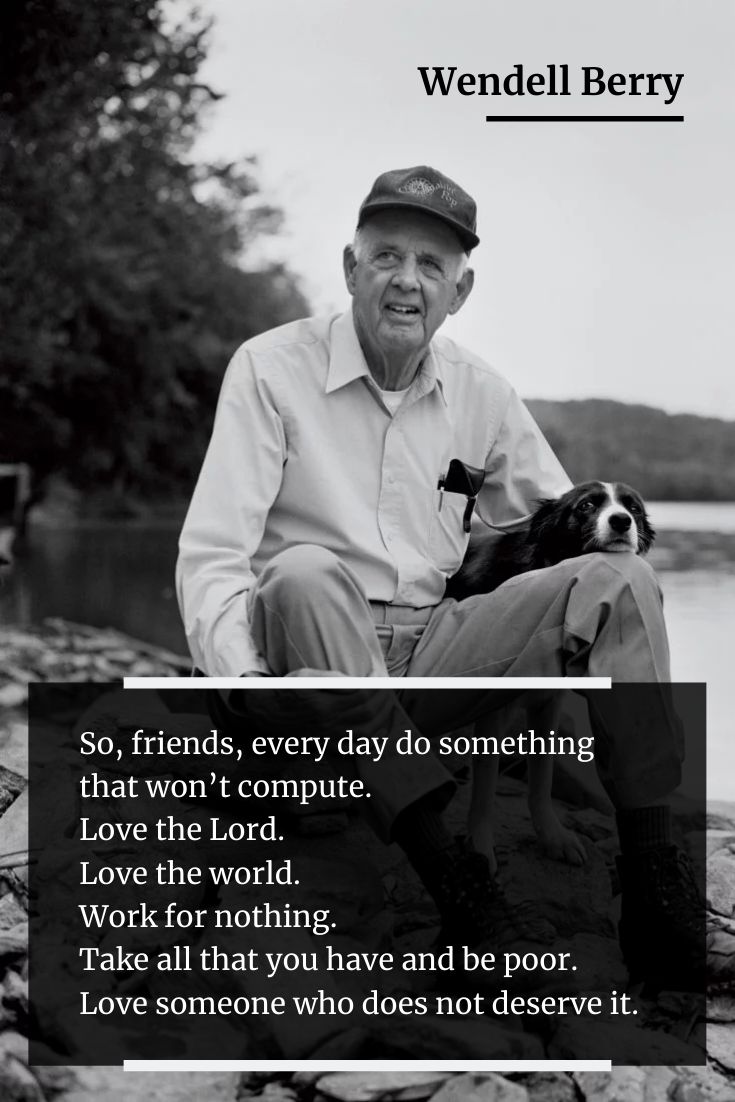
(607, 262)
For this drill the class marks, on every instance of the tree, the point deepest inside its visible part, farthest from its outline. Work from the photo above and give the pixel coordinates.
(122, 283)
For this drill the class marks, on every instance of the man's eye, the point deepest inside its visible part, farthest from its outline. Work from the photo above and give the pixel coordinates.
(385, 257)
(431, 265)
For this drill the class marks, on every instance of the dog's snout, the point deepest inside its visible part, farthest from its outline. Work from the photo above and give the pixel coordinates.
(620, 522)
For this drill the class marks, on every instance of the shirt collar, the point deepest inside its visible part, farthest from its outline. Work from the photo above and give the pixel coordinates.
(347, 361)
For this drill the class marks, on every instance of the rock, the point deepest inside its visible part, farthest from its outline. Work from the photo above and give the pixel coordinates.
(717, 840)
(699, 1085)
(11, 785)
(721, 1008)
(278, 1092)
(721, 1046)
(13, 1044)
(721, 884)
(720, 815)
(659, 1082)
(548, 1086)
(17, 1082)
(367, 1086)
(720, 950)
(624, 1084)
(481, 1087)
(306, 1078)
(14, 748)
(54, 1080)
(14, 942)
(12, 696)
(15, 996)
(113, 1084)
(11, 912)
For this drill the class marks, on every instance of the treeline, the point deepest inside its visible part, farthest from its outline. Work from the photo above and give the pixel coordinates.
(123, 289)
(670, 457)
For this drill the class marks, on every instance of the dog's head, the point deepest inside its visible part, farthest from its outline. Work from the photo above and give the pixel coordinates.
(593, 516)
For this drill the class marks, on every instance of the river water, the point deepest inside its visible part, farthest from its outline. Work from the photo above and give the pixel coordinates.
(121, 574)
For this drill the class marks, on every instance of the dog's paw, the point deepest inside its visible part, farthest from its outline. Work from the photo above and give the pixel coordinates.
(558, 841)
(480, 838)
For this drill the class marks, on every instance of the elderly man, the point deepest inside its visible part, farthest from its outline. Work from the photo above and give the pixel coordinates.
(320, 537)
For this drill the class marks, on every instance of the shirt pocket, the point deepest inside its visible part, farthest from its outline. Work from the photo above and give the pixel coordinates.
(447, 537)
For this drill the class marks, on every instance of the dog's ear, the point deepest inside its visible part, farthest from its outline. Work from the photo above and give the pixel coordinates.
(646, 535)
(547, 533)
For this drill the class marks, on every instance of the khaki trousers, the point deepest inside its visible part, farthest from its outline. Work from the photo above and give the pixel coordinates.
(596, 615)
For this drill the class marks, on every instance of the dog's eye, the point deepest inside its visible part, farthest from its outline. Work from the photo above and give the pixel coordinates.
(585, 506)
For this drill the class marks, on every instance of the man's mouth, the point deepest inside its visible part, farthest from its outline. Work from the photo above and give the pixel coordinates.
(403, 311)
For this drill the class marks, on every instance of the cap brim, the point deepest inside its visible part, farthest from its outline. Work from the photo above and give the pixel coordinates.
(468, 239)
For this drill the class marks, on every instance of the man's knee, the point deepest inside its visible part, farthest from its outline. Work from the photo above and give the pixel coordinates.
(301, 573)
(619, 570)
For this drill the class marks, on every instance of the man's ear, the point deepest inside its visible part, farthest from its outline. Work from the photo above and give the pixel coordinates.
(464, 287)
(349, 263)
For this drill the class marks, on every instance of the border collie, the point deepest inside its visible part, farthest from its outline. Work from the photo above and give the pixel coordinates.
(592, 516)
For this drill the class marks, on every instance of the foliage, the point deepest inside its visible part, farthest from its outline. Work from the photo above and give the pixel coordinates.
(121, 292)
(670, 457)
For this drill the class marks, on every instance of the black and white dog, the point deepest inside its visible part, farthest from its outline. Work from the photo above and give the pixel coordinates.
(593, 516)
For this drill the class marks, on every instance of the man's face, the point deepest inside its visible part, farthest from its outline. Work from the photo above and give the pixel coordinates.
(407, 276)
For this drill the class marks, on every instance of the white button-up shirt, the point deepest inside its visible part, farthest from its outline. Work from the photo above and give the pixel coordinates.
(304, 451)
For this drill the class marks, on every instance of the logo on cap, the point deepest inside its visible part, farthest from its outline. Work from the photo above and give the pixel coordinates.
(418, 186)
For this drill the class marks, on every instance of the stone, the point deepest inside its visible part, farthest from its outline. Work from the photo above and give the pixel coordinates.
(481, 1087)
(699, 1085)
(367, 1086)
(721, 1046)
(720, 950)
(622, 1084)
(721, 1008)
(14, 748)
(17, 1082)
(14, 942)
(717, 840)
(548, 1086)
(721, 884)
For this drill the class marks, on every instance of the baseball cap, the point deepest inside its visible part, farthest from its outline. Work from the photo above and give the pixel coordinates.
(424, 189)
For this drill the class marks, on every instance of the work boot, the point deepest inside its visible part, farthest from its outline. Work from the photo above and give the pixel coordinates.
(662, 920)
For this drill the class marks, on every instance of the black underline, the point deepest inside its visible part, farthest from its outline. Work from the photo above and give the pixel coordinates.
(584, 118)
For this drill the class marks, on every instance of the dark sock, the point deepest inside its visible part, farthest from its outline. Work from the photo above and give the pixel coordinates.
(421, 833)
(644, 828)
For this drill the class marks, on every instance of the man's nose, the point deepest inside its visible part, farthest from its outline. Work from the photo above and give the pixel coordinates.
(407, 275)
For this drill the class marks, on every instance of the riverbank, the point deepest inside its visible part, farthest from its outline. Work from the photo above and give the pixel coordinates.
(59, 650)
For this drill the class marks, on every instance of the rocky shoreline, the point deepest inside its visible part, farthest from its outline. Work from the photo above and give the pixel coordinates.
(59, 651)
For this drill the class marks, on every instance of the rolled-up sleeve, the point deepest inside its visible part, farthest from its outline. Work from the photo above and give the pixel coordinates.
(238, 483)
(521, 468)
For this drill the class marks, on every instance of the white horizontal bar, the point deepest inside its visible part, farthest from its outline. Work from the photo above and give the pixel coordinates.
(376, 1066)
(396, 683)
